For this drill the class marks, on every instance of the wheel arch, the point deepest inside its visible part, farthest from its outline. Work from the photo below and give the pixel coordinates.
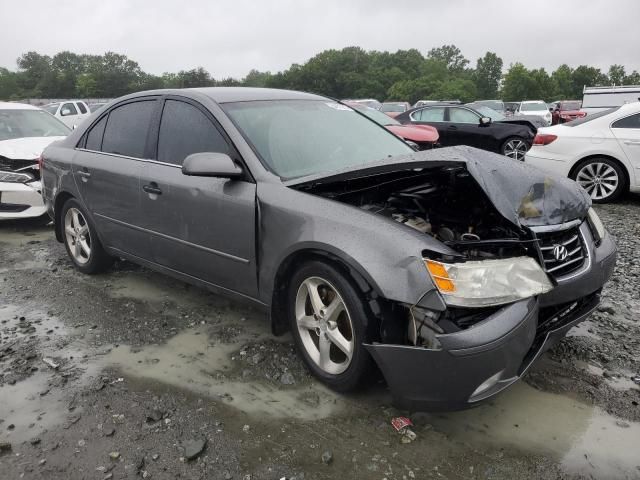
(60, 200)
(288, 265)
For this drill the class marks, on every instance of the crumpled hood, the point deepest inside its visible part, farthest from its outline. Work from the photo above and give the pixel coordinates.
(26, 148)
(524, 195)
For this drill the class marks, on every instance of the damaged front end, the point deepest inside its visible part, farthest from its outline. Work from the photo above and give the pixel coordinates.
(20, 188)
(512, 237)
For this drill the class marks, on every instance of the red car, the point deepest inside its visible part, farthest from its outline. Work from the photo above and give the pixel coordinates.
(566, 111)
(424, 136)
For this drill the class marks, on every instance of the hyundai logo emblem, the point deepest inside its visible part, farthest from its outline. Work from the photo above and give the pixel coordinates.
(560, 253)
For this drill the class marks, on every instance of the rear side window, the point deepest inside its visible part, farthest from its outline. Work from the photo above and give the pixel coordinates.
(127, 127)
(81, 107)
(184, 130)
(632, 121)
(430, 115)
(94, 137)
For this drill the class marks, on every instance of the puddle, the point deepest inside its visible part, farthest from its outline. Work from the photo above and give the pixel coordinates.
(584, 439)
(191, 361)
(37, 401)
(19, 239)
(583, 330)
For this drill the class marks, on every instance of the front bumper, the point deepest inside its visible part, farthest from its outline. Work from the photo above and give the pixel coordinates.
(477, 363)
(21, 200)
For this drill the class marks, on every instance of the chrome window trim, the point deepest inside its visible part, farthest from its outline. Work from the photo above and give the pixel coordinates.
(146, 160)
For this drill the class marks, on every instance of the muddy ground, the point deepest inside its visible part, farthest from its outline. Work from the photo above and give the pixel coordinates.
(132, 374)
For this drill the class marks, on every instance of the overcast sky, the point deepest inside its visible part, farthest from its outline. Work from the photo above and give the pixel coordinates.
(230, 37)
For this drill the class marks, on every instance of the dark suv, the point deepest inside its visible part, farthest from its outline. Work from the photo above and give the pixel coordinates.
(450, 270)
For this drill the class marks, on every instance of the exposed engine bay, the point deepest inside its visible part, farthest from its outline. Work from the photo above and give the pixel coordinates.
(445, 203)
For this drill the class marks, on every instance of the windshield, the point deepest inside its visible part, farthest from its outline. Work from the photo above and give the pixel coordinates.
(30, 123)
(588, 118)
(295, 138)
(393, 107)
(533, 107)
(51, 108)
(489, 112)
(570, 105)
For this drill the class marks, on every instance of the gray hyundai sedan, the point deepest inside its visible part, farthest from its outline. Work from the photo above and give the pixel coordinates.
(449, 270)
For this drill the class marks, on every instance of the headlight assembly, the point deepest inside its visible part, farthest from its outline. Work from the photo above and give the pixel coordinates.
(597, 227)
(488, 282)
(15, 177)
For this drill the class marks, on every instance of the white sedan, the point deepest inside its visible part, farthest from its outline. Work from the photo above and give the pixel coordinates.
(601, 151)
(534, 107)
(24, 133)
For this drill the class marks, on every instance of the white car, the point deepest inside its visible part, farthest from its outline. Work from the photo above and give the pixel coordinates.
(25, 131)
(534, 107)
(601, 151)
(71, 112)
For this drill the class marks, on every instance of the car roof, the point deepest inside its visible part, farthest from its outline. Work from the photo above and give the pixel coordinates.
(532, 101)
(236, 94)
(16, 106)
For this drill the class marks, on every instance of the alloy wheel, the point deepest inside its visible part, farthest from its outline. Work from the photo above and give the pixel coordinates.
(77, 235)
(324, 325)
(515, 149)
(599, 179)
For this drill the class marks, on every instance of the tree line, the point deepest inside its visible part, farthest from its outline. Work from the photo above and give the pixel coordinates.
(406, 75)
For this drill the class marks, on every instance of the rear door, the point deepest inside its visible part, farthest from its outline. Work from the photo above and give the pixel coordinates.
(434, 116)
(107, 170)
(200, 226)
(627, 131)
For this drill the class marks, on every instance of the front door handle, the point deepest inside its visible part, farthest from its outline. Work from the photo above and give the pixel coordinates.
(152, 189)
(452, 127)
(84, 174)
(632, 142)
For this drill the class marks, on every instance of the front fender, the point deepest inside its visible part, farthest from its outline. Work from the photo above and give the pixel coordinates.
(386, 254)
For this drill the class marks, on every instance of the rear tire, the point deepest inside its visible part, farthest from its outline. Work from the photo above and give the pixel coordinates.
(81, 239)
(515, 147)
(330, 323)
(602, 178)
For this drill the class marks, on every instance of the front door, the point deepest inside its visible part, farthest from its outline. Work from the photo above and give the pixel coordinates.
(200, 226)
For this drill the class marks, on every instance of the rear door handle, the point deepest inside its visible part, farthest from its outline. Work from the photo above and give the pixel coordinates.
(84, 174)
(152, 189)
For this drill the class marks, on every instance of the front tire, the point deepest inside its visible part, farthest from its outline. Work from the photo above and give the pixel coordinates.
(81, 239)
(602, 178)
(330, 325)
(515, 147)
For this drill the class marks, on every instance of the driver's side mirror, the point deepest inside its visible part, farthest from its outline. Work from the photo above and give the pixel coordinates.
(485, 121)
(211, 164)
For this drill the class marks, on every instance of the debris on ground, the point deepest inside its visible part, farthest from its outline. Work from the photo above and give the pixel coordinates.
(193, 448)
(327, 457)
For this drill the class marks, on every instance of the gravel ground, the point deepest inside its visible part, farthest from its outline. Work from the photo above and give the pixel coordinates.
(132, 374)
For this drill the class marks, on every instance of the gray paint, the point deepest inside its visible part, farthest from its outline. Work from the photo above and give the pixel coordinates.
(233, 235)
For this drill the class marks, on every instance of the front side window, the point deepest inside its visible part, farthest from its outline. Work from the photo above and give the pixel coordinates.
(462, 115)
(295, 138)
(632, 121)
(68, 109)
(184, 130)
(126, 129)
(435, 114)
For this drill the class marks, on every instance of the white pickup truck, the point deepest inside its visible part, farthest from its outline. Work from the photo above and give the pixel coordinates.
(70, 112)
